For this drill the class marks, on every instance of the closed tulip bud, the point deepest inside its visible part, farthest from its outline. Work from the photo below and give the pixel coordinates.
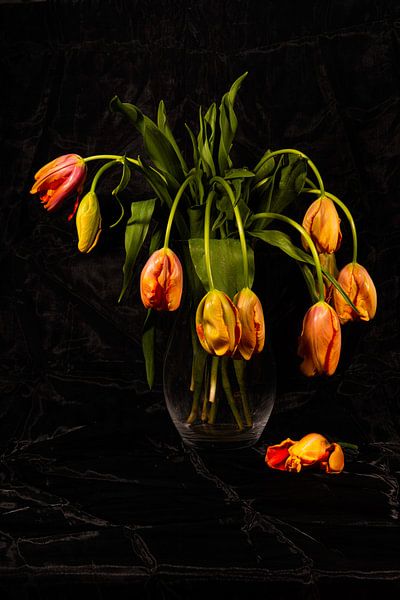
(358, 285)
(88, 222)
(313, 450)
(252, 320)
(161, 281)
(322, 223)
(58, 179)
(217, 324)
(320, 340)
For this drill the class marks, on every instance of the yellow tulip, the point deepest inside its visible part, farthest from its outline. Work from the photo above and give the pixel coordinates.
(161, 281)
(322, 223)
(217, 324)
(320, 340)
(88, 222)
(252, 320)
(358, 285)
(312, 450)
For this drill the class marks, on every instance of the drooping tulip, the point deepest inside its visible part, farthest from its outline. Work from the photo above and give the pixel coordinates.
(217, 324)
(320, 340)
(58, 179)
(161, 281)
(88, 222)
(322, 223)
(252, 320)
(313, 450)
(358, 285)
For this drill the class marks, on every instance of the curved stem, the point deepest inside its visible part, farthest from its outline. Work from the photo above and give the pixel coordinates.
(101, 171)
(240, 227)
(173, 209)
(112, 156)
(207, 225)
(270, 215)
(349, 218)
(309, 162)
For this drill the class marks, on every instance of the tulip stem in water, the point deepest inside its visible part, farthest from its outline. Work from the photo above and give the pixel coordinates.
(240, 368)
(307, 237)
(346, 212)
(228, 391)
(240, 227)
(174, 207)
(213, 398)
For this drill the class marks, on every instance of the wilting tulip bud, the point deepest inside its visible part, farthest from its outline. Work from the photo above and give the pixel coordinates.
(58, 179)
(252, 320)
(217, 324)
(358, 285)
(322, 222)
(88, 222)
(312, 450)
(320, 340)
(161, 281)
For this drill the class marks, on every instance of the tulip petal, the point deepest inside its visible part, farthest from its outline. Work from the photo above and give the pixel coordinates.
(320, 340)
(322, 222)
(336, 459)
(358, 285)
(277, 455)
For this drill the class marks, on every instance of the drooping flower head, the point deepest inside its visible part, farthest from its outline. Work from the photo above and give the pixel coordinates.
(358, 285)
(312, 450)
(252, 320)
(322, 223)
(320, 340)
(161, 281)
(88, 222)
(217, 324)
(58, 179)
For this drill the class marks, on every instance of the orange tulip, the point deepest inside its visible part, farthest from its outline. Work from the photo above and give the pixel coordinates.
(58, 179)
(358, 285)
(312, 450)
(217, 324)
(161, 281)
(252, 320)
(322, 222)
(320, 340)
(88, 222)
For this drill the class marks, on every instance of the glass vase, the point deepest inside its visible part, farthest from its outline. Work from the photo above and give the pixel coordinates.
(216, 402)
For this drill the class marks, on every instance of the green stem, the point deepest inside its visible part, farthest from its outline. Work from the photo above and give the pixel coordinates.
(111, 156)
(228, 391)
(270, 215)
(173, 209)
(213, 399)
(240, 227)
(309, 162)
(207, 226)
(348, 215)
(100, 172)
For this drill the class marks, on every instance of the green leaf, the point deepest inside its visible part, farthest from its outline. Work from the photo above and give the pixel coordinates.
(226, 264)
(121, 215)
(238, 174)
(292, 176)
(163, 126)
(196, 220)
(203, 145)
(135, 234)
(148, 346)
(157, 144)
(310, 281)
(125, 178)
(228, 125)
(196, 155)
(265, 166)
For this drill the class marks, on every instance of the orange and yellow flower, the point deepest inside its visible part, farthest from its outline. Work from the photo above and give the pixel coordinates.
(161, 281)
(322, 223)
(217, 324)
(58, 179)
(252, 320)
(313, 450)
(320, 340)
(88, 222)
(358, 285)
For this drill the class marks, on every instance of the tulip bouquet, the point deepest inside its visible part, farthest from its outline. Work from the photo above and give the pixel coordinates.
(202, 226)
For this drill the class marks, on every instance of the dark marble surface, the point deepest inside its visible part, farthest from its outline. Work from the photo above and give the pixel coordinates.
(98, 495)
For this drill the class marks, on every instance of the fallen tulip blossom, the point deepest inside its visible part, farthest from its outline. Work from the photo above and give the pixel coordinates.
(313, 450)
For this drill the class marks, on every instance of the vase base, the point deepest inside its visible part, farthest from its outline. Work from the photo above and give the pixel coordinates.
(218, 437)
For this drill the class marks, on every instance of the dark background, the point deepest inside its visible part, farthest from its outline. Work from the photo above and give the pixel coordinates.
(98, 494)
